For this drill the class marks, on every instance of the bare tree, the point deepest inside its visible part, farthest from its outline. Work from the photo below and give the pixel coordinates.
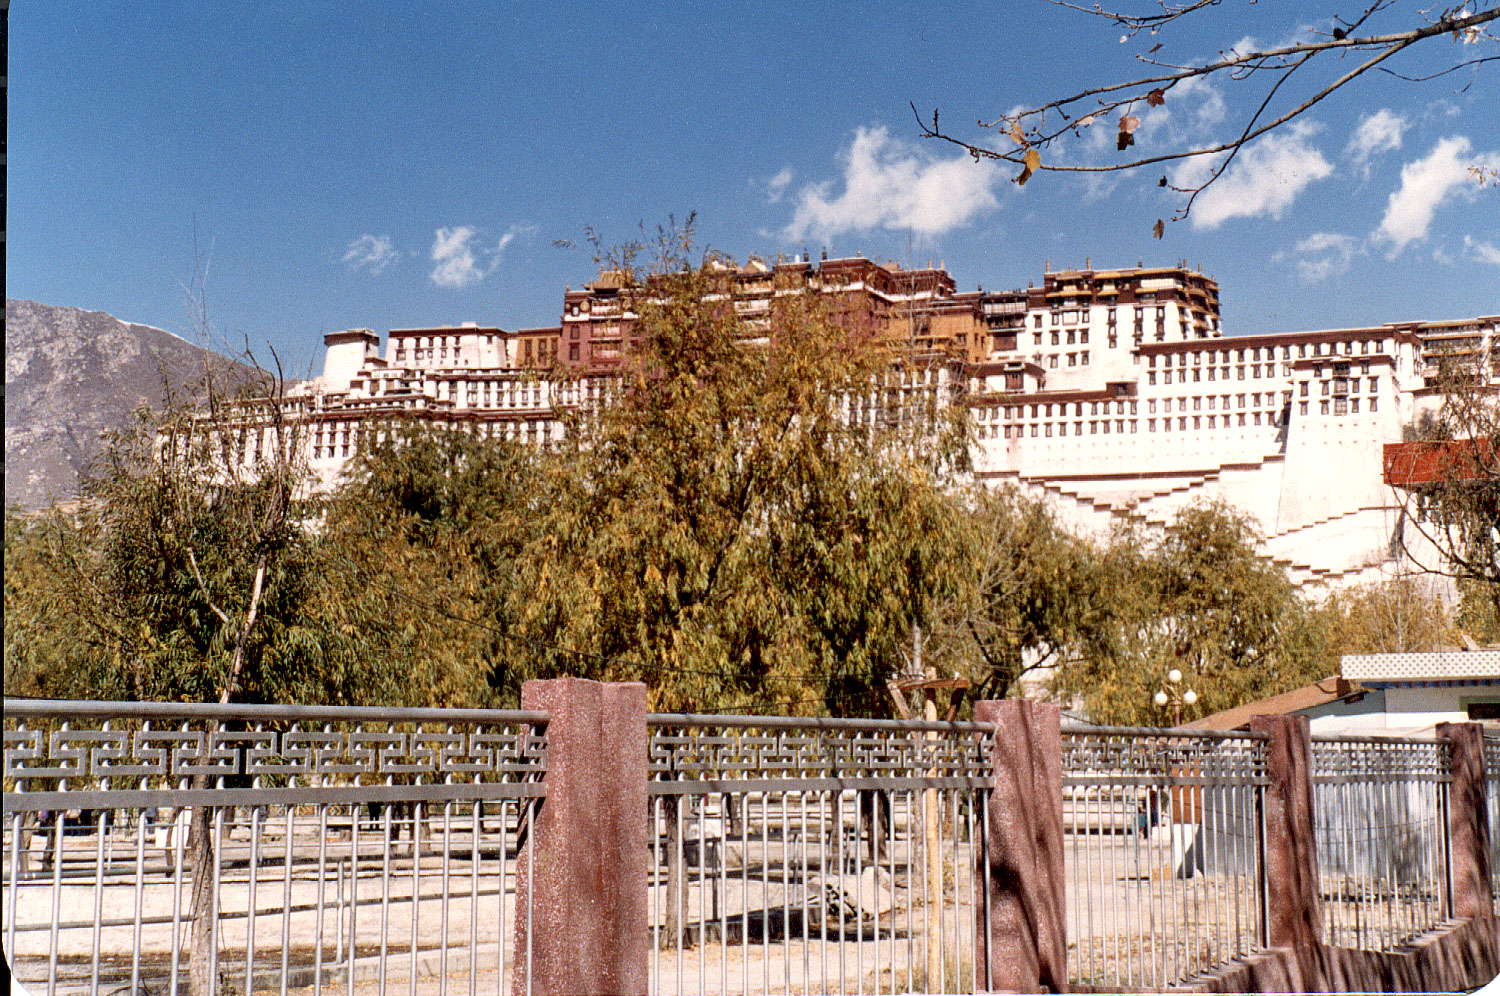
(1285, 81)
(1447, 478)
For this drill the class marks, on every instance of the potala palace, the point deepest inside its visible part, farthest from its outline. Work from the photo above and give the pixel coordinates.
(1115, 393)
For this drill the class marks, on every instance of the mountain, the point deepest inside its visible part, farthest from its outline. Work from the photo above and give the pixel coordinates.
(71, 376)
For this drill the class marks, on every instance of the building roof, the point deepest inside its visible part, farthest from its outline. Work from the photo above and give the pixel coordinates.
(1448, 666)
(1330, 689)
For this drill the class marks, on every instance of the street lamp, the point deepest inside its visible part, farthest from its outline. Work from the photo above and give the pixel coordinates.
(1175, 695)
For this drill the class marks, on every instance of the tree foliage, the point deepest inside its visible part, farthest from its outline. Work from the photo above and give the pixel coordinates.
(1032, 595)
(1198, 599)
(1401, 615)
(759, 524)
(732, 530)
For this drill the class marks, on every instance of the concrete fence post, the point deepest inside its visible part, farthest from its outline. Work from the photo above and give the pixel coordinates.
(1294, 915)
(1020, 940)
(586, 890)
(1468, 822)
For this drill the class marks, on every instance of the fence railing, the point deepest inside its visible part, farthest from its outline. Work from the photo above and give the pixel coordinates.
(1161, 853)
(175, 848)
(1381, 826)
(802, 855)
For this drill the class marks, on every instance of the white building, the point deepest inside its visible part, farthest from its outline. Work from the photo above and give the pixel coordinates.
(1112, 393)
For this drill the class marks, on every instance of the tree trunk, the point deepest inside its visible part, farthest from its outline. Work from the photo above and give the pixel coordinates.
(204, 863)
(676, 895)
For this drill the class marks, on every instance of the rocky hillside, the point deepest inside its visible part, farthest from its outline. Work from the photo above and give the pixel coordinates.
(70, 377)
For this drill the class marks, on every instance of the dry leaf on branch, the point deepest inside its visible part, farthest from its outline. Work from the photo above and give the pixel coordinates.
(1032, 162)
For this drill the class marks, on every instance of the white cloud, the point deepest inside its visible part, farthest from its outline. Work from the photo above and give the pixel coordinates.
(1481, 252)
(1327, 254)
(776, 185)
(891, 184)
(370, 252)
(1264, 178)
(1425, 184)
(456, 263)
(459, 263)
(1376, 133)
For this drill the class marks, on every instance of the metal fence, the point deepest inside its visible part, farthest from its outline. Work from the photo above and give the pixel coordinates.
(172, 848)
(1380, 819)
(1492, 804)
(1161, 855)
(805, 855)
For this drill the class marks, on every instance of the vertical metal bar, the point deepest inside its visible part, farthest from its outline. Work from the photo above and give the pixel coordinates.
(806, 897)
(385, 889)
(721, 886)
(745, 886)
(416, 883)
(321, 896)
(101, 868)
(353, 945)
(786, 900)
(252, 903)
(523, 812)
(179, 842)
(1084, 904)
(859, 905)
(679, 893)
(216, 860)
(140, 880)
(286, 894)
(56, 850)
(984, 832)
(477, 823)
(531, 806)
(443, 926)
(838, 829)
(14, 881)
(1118, 813)
(702, 905)
(911, 904)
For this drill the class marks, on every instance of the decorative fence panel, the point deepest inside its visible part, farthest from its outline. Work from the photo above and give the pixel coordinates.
(1161, 854)
(1381, 823)
(175, 848)
(805, 855)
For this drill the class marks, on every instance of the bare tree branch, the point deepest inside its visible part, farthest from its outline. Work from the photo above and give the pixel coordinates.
(1040, 127)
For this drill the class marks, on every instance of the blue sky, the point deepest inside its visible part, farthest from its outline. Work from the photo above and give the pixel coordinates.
(384, 165)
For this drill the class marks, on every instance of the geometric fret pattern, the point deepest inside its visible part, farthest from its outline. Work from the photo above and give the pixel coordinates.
(88, 757)
(717, 752)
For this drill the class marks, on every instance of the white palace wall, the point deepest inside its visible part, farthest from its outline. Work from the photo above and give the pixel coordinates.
(1126, 412)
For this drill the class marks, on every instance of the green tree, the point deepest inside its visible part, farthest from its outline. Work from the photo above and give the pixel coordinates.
(1033, 595)
(1199, 599)
(418, 559)
(753, 521)
(1397, 616)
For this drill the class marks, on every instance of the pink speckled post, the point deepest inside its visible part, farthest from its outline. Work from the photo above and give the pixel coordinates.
(1024, 943)
(588, 926)
(1294, 911)
(1468, 821)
